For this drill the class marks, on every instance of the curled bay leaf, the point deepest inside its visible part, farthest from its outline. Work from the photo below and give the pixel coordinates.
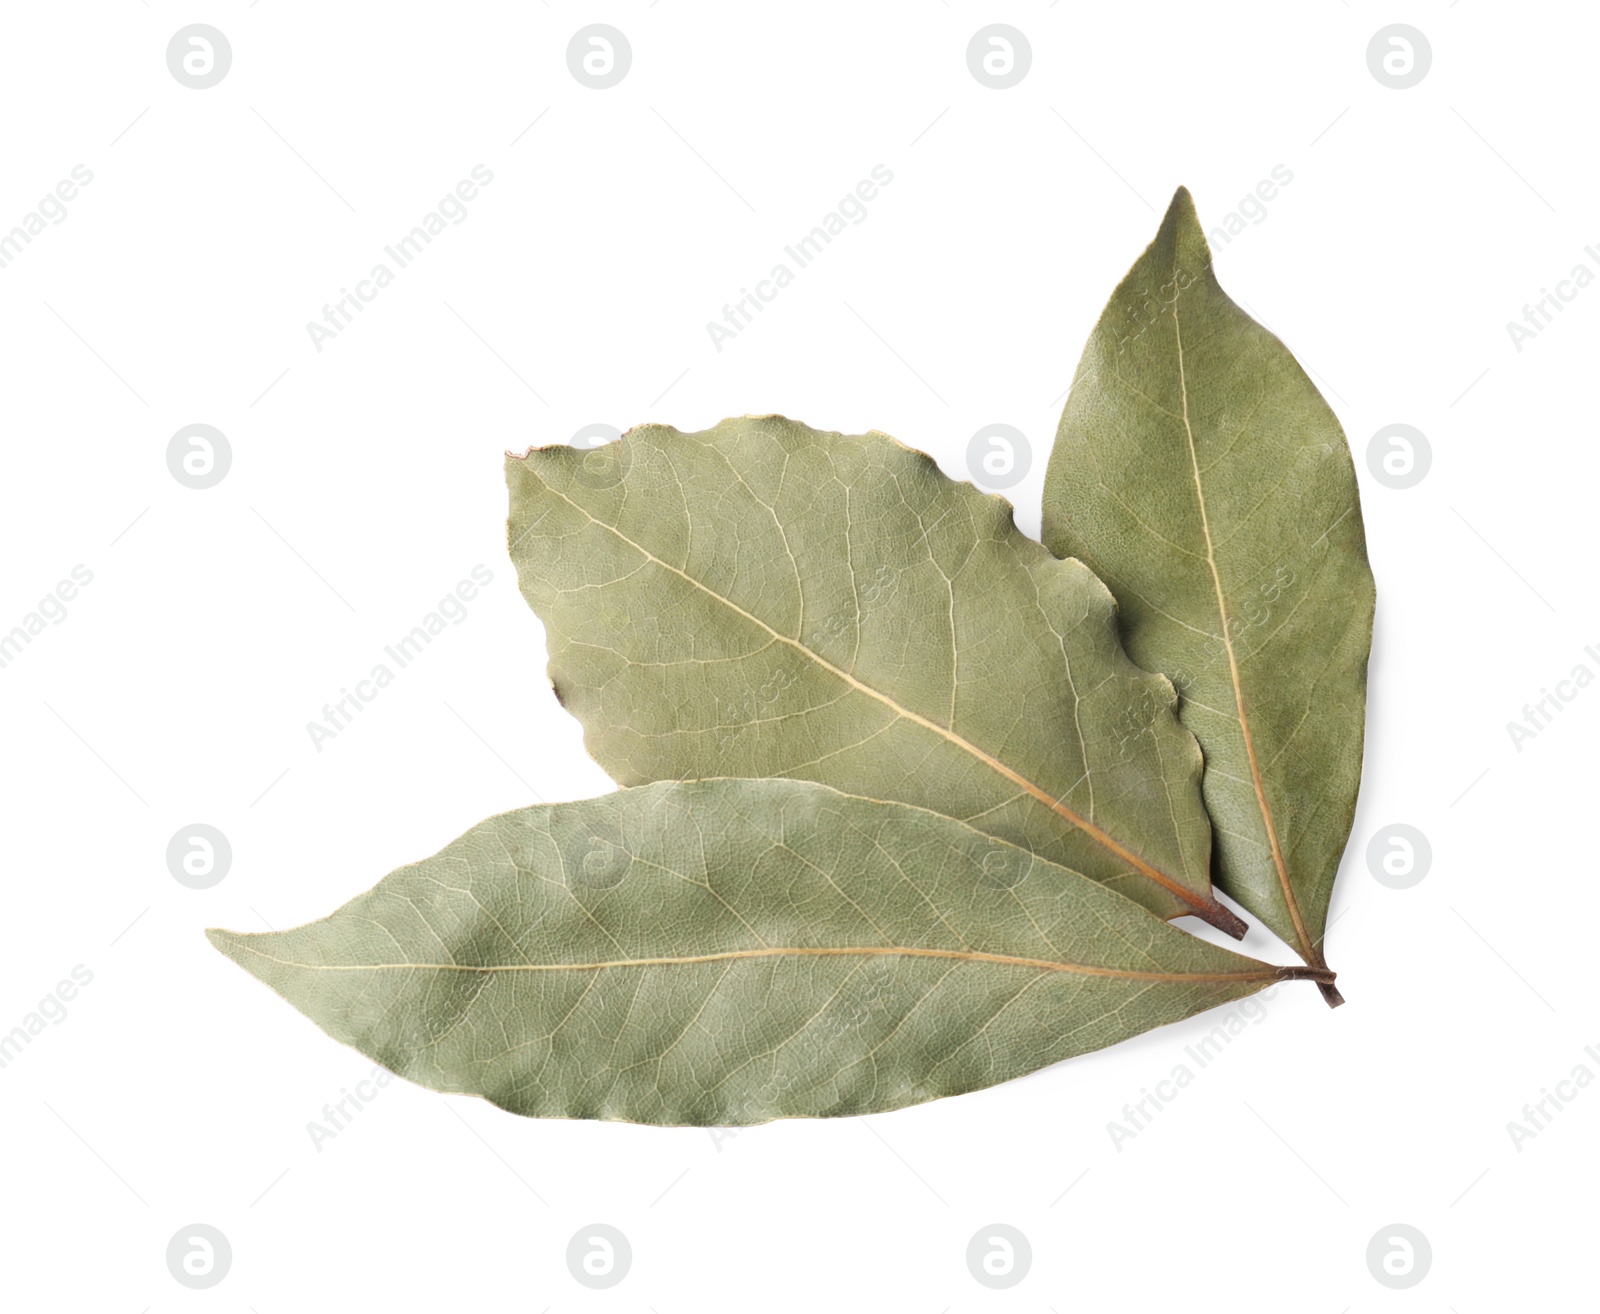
(766, 600)
(1200, 474)
(725, 952)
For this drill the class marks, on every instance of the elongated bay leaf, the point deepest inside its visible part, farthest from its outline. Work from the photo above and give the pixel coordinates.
(1199, 472)
(725, 952)
(766, 600)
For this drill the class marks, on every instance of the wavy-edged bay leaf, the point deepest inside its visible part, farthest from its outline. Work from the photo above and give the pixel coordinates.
(766, 600)
(1198, 472)
(725, 952)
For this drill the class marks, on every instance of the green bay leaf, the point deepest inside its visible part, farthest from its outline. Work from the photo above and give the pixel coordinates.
(725, 952)
(766, 600)
(1198, 472)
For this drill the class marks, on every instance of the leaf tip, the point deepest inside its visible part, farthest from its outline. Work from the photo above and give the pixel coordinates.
(225, 942)
(1183, 218)
(1179, 252)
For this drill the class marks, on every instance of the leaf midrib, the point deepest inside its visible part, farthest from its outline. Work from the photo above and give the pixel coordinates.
(1281, 868)
(1266, 973)
(1144, 868)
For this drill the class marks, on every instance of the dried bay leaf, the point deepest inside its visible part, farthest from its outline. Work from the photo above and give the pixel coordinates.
(901, 818)
(724, 952)
(766, 600)
(1200, 474)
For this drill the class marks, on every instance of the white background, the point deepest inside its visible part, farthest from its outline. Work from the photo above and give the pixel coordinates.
(366, 481)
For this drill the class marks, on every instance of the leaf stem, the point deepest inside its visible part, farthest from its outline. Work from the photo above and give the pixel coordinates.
(1222, 917)
(1330, 992)
(1321, 974)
